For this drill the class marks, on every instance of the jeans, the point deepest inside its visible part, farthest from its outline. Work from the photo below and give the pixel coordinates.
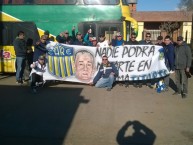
(35, 78)
(20, 66)
(105, 82)
(181, 81)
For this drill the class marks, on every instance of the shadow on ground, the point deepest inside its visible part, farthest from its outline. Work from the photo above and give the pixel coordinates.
(139, 134)
(37, 119)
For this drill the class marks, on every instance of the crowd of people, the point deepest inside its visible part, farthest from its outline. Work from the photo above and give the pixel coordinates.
(178, 58)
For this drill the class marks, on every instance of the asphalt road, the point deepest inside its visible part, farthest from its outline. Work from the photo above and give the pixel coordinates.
(75, 114)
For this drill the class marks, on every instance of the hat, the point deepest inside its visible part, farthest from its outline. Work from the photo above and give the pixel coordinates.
(66, 31)
(46, 32)
(41, 57)
(93, 38)
(179, 38)
(159, 38)
(119, 34)
(78, 33)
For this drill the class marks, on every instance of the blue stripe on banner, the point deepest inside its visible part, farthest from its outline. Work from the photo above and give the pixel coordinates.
(64, 62)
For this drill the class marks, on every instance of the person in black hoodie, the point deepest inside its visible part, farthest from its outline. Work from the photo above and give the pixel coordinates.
(40, 48)
(20, 51)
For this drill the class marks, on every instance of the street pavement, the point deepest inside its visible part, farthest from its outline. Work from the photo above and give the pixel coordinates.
(64, 113)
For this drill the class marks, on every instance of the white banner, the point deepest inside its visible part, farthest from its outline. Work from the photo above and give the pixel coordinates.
(80, 63)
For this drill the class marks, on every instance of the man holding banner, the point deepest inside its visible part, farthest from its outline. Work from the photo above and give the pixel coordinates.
(106, 74)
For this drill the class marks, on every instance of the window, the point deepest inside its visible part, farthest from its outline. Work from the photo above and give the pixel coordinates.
(9, 30)
(101, 2)
(19, 2)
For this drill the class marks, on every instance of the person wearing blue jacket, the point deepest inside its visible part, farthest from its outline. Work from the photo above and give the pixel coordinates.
(106, 74)
(40, 48)
(118, 40)
(169, 58)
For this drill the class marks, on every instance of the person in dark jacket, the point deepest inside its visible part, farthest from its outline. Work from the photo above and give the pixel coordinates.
(169, 59)
(147, 40)
(40, 48)
(106, 74)
(133, 41)
(160, 41)
(20, 51)
(78, 39)
(183, 59)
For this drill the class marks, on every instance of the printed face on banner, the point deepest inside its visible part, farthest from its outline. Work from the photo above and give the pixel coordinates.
(84, 65)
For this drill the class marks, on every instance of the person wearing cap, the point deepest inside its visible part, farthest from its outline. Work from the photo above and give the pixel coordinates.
(106, 74)
(40, 48)
(60, 38)
(94, 41)
(169, 59)
(183, 60)
(117, 40)
(160, 41)
(88, 38)
(78, 39)
(64, 37)
(38, 68)
(102, 41)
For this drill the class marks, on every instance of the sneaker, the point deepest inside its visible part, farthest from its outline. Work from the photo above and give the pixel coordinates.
(176, 93)
(108, 89)
(135, 85)
(150, 86)
(126, 86)
(19, 82)
(184, 96)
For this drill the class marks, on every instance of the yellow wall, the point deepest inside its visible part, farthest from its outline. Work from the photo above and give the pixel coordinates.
(140, 30)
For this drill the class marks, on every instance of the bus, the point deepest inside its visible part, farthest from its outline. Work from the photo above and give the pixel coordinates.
(35, 16)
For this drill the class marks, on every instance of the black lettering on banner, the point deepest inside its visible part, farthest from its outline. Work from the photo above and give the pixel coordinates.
(119, 64)
(138, 51)
(108, 51)
(143, 65)
(125, 51)
(152, 50)
(130, 66)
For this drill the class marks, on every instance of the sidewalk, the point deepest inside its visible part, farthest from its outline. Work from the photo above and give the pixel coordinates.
(73, 114)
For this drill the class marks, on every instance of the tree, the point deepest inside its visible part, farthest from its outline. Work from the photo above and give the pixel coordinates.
(169, 27)
(186, 5)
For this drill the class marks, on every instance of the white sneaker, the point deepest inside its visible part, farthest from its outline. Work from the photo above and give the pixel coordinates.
(171, 72)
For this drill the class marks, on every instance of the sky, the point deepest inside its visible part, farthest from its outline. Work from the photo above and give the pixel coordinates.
(157, 5)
